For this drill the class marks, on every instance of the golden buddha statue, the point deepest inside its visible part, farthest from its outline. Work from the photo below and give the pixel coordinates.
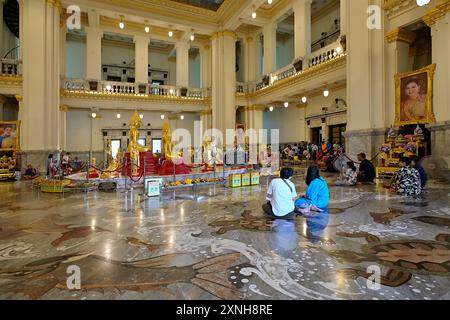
(167, 141)
(134, 148)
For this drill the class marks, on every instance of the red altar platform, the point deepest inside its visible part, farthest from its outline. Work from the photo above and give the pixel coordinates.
(180, 168)
(151, 164)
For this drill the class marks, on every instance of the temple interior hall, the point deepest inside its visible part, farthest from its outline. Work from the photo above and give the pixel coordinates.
(256, 150)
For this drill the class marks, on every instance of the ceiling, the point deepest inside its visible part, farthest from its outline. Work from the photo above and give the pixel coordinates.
(213, 5)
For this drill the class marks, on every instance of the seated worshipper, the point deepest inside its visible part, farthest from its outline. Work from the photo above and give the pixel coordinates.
(30, 173)
(317, 196)
(423, 175)
(366, 172)
(281, 196)
(350, 177)
(406, 181)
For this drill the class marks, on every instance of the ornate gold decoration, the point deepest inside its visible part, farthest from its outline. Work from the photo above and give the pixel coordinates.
(19, 98)
(430, 118)
(225, 33)
(63, 108)
(437, 13)
(134, 148)
(13, 80)
(205, 113)
(167, 141)
(255, 108)
(400, 35)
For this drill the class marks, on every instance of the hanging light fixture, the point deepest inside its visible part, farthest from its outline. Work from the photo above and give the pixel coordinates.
(253, 12)
(121, 23)
(326, 93)
(269, 1)
(192, 37)
(170, 32)
(304, 99)
(422, 3)
(147, 29)
(141, 116)
(182, 117)
(162, 117)
(270, 108)
(118, 116)
(286, 104)
(93, 115)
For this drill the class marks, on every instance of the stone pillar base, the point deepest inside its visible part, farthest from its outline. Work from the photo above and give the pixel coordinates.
(367, 141)
(440, 138)
(37, 158)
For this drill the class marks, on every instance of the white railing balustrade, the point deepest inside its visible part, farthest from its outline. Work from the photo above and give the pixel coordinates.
(325, 54)
(112, 87)
(10, 67)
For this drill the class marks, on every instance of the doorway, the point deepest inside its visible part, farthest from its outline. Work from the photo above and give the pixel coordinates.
(337, 134)
(316, 136)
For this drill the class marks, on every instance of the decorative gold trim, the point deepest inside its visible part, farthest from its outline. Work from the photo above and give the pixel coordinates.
(308, 73)
(205, 113)
(19, 98)
(437, 13)
(255, 108)
(11, 80)
(400, 35)
(430, 70)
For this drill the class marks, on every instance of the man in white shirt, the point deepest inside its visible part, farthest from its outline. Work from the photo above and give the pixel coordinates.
(281, 196)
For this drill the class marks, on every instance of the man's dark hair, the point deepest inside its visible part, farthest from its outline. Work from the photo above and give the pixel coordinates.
(406, 160)
(312, 174)
(363, 155)
(286, 173)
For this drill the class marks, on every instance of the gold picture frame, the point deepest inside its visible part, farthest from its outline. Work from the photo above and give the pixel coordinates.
(414, 97)
(12, 134)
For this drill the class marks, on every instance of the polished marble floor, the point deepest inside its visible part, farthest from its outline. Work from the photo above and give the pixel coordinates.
(217, 244)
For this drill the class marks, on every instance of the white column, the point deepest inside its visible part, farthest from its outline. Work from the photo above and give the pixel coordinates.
(343, 16)
(141, 59)
(182, 64)
(205, 53)
(254, 117)
(40, 45)
(302, 27)
(270, 47)
(62, 51)
(250, 59)
(205, 119)
(223, 81)
(94, 53)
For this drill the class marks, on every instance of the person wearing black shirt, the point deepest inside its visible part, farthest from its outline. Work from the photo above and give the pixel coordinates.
(366, 169)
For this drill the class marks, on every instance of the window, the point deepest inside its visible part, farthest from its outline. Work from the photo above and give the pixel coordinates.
(142, 142)
(156, 145)
(115, 146)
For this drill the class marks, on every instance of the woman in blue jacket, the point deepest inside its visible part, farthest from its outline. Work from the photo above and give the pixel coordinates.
(317, 196)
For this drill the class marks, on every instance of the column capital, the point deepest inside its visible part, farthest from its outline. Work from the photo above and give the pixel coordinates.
(400, 35)
(255, 108)
(63, 108)
(57, 4)
(205, 113)
(437, 13)
(206, 47)
(224, 33)
(19, 98)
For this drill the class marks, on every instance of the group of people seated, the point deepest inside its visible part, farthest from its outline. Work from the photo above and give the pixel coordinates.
(283, 201)
(411, 179)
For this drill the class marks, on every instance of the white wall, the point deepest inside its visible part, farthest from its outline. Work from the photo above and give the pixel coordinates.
(79, 126)
(285, 52)
(117, 54)
(324, 24)
(76, 59)
(290, 121)
(194, 71)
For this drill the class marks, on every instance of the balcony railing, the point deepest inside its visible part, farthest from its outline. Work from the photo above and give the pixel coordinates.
(328, 53)
(10, 67)
(126, 88)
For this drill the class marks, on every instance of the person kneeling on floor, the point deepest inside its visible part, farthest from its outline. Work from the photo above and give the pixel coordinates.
(281, 196)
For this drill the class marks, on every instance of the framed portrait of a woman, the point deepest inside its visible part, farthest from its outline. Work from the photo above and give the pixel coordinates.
(9, 135)
(414, 97)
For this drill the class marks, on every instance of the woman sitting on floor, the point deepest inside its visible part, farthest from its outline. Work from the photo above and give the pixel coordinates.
(406, 181)
(281, 196)
(350, 177)
(317, 196)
